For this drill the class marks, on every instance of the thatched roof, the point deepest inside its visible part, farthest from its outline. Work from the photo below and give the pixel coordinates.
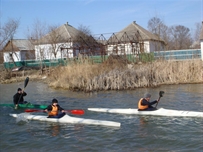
(136, 32)
(201, 34)
(61, 34)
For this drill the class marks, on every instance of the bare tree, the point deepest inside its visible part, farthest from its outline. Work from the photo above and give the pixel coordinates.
(197, 33)
(8, 30)
(35, 35)
(157, 26)
(54, 39)
(38, 31)
(180, 37)
(154, 25)
(86, 41)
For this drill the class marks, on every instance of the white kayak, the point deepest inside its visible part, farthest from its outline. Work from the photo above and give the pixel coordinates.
(158, 112)
(67, 119)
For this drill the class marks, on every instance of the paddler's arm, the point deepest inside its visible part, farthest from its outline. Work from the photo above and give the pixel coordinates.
(49, 108)
(24, 93)
(15, 101)
(153, 102)
(60, 108)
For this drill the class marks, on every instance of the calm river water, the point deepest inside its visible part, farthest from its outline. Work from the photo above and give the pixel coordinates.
(137, 133)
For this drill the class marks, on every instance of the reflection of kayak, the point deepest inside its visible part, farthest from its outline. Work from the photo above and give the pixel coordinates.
(27, 105)
(67, 119)
(159, 112)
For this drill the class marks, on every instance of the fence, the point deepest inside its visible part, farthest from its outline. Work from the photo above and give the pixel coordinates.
(144, 57)
(178, 54)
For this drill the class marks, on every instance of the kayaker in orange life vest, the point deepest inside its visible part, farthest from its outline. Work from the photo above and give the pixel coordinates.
(53, 110)
(144, 104)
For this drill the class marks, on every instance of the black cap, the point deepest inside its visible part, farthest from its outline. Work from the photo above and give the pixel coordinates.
(19, 89)
(54, 101)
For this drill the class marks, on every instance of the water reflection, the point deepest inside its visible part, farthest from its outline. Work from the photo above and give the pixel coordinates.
(54, 129)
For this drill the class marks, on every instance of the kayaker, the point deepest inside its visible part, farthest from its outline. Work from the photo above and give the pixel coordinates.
(144, 104)
(53, 110)
(18, 97)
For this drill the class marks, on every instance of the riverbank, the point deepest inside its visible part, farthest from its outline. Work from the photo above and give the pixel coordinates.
(114, 74)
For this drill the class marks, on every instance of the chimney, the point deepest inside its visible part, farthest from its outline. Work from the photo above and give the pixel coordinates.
(134, 22)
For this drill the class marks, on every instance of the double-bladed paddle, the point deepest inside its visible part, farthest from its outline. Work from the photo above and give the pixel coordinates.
(160, 95)
(74, 111)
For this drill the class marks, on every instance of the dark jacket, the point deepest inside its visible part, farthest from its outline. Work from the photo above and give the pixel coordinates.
(49, 108)
(150, 107)
(18, 98)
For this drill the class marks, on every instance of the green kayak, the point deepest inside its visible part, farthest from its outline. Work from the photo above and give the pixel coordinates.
(27, 105)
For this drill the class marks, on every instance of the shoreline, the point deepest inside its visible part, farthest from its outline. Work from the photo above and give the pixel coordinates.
(117, 76)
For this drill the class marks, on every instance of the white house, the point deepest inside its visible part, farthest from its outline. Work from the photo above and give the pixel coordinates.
(18, 50)
(134, 39)
(57, 44)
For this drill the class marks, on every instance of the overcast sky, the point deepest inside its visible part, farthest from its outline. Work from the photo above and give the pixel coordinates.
(101, 16)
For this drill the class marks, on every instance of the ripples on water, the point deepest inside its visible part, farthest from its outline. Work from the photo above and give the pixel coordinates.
(137, 133)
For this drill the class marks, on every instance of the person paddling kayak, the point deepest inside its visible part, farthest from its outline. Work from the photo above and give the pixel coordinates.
(144, 104)
(53, 110)
(18, 97)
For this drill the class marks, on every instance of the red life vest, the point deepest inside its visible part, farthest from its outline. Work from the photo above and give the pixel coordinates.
(140, 106)
(54, 111)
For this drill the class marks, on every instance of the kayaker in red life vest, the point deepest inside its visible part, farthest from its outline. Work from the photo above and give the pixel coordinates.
(145, 105)
(53, 110)
(18, 97)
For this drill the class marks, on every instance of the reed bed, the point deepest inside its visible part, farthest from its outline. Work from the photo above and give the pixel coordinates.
(119, 74)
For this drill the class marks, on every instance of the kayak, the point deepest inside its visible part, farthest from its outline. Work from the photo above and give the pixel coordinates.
(27, 105)
(158, 112)
(68, 119)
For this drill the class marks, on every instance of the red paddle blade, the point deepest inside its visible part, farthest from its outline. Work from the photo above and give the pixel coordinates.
(32, 110)
(77, 112)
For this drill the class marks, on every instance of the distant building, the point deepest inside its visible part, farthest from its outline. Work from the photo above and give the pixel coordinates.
(57, 44)
(18, 50)
(134, 39)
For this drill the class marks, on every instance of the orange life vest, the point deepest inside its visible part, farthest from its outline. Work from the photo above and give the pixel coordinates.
(140, 106)
(54, 111)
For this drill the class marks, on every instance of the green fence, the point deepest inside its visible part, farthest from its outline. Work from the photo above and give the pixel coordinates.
(35, 63)
(145, 57)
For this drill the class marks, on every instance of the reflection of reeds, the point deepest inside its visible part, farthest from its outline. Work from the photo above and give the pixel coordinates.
(119, 75)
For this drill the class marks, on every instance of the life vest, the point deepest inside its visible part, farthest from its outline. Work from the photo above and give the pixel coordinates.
(54, 111)
(140, 106)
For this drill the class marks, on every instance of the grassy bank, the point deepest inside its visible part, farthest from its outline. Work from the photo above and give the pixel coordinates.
(113, 74)
(117, 74)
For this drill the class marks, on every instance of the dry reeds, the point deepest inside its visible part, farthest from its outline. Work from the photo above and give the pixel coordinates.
(120, 75)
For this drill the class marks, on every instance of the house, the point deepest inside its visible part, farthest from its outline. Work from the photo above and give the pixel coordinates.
(58, 44)
(18, 50)
(134, 39)
(201, 41)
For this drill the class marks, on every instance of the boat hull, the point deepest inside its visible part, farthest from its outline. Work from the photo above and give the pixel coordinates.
(159, 112)
(68, 119)
(27, 105)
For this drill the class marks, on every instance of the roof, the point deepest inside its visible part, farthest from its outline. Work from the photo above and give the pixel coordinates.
(19, 44)
(61, 34)
(135, 31)
(23, 44)
(201, 34)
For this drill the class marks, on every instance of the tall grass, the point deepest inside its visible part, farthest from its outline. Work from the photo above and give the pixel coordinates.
(117, 74)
